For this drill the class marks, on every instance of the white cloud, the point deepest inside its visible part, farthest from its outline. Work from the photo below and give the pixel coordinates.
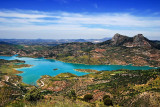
(20, 15)
(36, 24)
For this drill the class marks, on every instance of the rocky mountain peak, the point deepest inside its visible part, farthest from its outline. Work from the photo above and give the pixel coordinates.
(139, 38)
(140, 41)
(118, 39)
(117, 36)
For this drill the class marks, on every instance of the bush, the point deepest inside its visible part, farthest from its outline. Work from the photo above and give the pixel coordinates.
(5, 95)
(72, 94)
(88, 97)
(106, 96)
(108, 102)
(34, 95)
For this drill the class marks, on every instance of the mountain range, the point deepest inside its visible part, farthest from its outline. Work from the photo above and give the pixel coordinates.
(50, 42)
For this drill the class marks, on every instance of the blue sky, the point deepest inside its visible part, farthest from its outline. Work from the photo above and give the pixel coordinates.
(67, 19)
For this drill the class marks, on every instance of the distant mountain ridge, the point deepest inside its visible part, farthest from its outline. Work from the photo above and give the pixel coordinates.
(6, 43)
(50, 42)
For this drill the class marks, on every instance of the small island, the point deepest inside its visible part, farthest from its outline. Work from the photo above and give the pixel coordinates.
(55, 69)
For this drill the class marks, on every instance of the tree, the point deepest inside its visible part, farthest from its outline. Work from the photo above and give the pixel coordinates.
(108, 102)
(33, 95)
(72, 94)
(106, 96)
(88, 97)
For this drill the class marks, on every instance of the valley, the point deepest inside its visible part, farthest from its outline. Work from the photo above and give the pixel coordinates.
(83, 86)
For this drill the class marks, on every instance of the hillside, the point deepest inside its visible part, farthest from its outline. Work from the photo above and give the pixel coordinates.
(120, 88)
(120, 50)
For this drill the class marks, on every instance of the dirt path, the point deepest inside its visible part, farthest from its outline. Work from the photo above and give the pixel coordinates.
(42, 83)
(6, 78)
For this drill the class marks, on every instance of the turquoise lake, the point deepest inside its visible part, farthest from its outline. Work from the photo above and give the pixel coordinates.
(43, 66)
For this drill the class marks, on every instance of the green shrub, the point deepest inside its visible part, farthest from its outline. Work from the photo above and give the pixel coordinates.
(72, 94)
(34, 95)
(108, 102)
(106, 96)
(5, 95)
(88, 97)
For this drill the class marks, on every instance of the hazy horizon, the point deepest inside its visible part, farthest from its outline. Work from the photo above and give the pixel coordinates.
(108, 37)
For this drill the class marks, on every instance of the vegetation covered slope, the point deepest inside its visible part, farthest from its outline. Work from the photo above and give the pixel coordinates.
(14, 93)
(11, 86)
(120, 50)
(124, 87)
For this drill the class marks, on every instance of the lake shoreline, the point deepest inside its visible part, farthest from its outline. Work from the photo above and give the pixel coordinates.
(104, 64)
(45, 66)
(83, 63)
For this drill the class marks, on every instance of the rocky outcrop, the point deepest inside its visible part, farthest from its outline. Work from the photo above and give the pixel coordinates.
(136, 41)
(139, 41)
(119, 39)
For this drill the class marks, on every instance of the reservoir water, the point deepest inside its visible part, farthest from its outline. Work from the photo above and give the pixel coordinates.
(43, 66)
